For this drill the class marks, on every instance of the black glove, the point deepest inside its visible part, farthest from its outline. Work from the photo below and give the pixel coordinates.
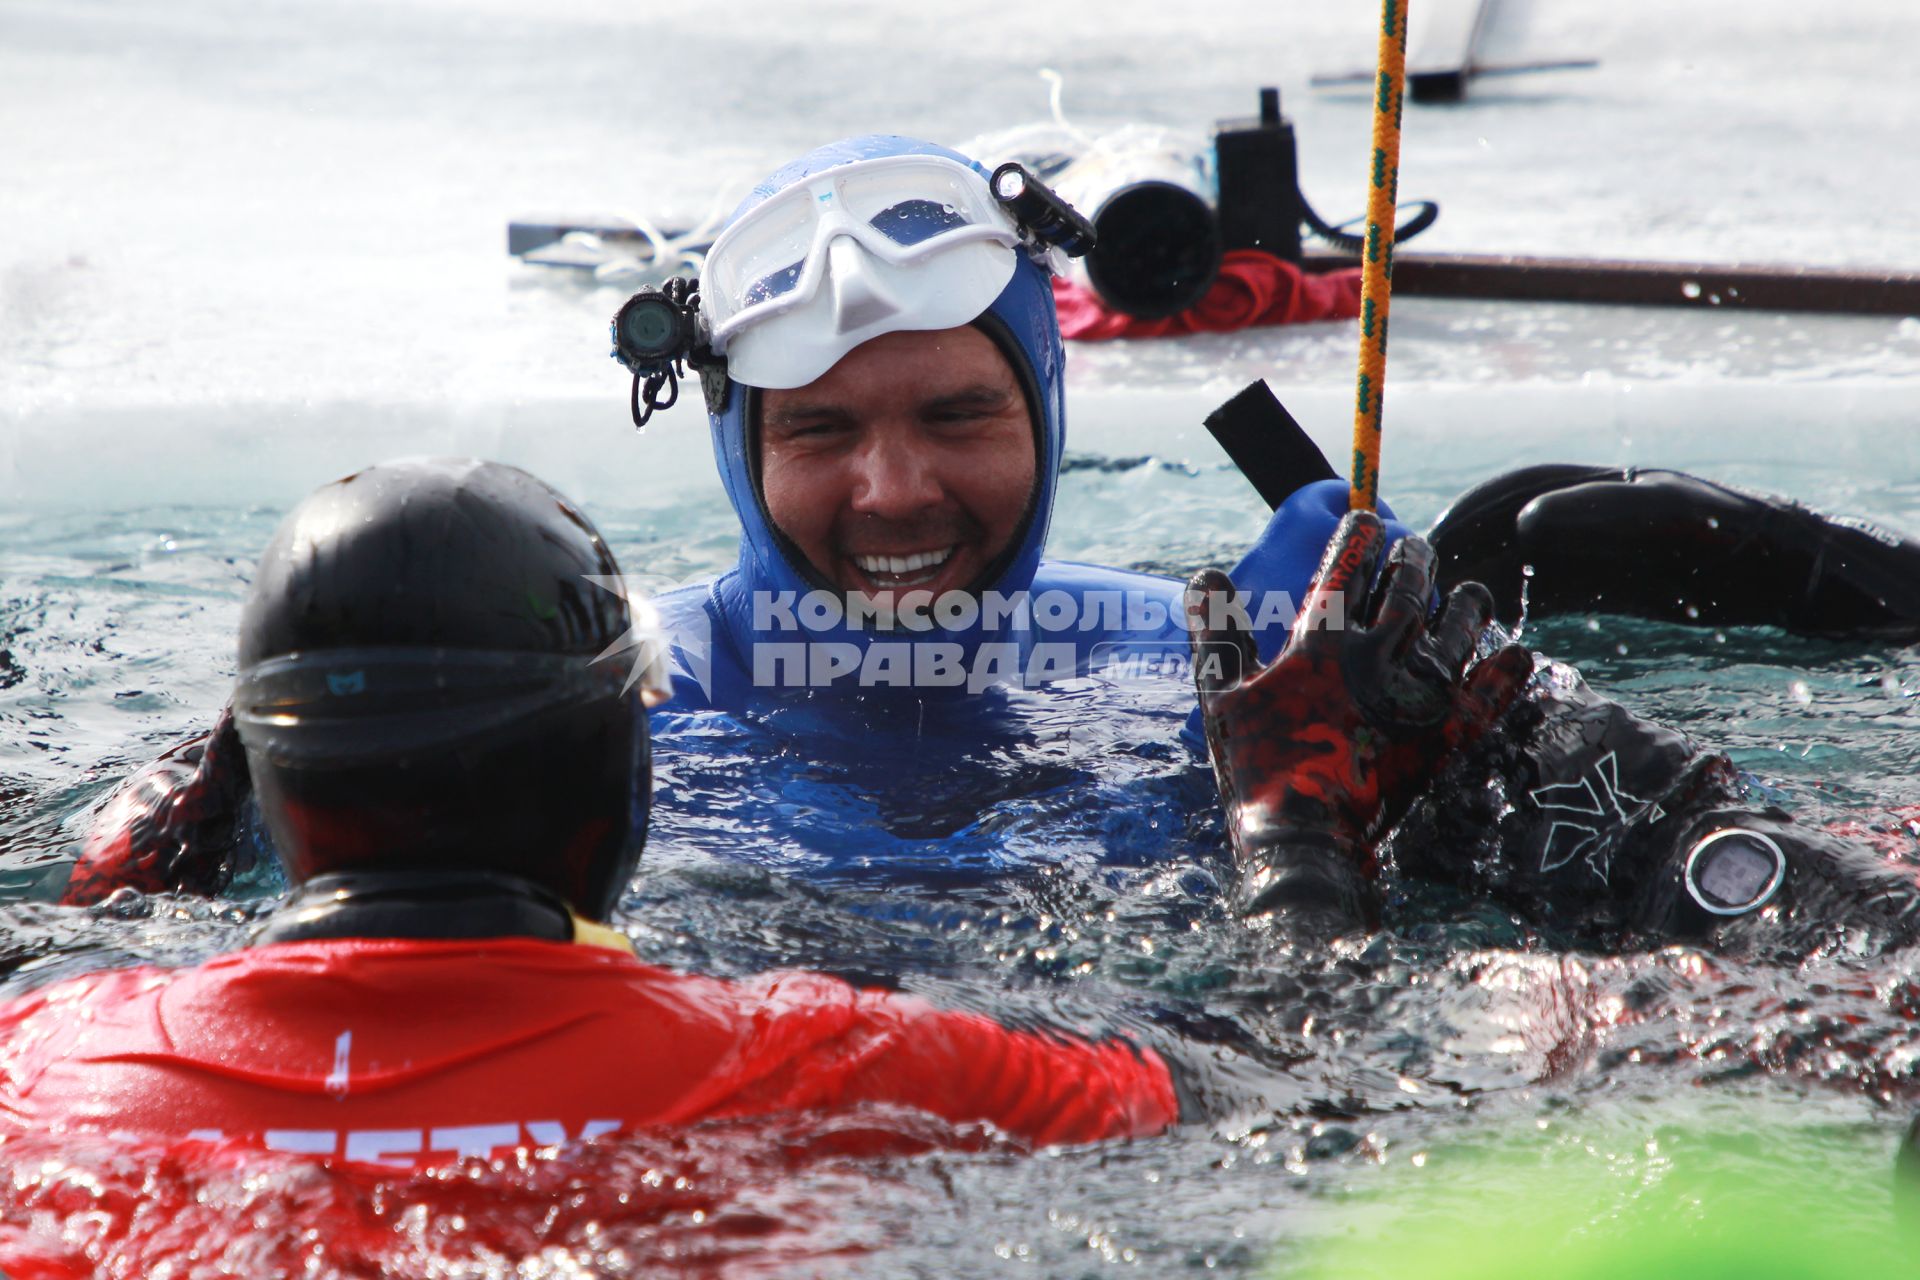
(1320, 752)
(1614, 831)
(1675, 548)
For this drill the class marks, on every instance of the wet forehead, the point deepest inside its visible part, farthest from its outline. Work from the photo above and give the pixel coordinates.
(909, 372)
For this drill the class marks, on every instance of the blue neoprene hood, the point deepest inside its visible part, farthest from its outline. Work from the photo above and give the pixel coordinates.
(1027, 333)
(723, 627)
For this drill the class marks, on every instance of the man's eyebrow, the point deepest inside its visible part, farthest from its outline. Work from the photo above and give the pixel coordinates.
(804, 411)
(982, 395)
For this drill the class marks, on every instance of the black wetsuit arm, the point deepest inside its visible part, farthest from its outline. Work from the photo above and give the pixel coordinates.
(1676, 548)
(1829, 886)
(1584, 819)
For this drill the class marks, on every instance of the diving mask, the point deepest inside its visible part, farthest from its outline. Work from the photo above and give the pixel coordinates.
(873, 247)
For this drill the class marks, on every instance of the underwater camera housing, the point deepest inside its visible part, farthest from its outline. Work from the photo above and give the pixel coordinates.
(1167, 208)
(1257, 167)
(1148, 194)
(653, 330)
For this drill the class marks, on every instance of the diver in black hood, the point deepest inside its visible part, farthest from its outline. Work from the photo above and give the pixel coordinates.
(1564, 806)
(443, 715)
(448, 639)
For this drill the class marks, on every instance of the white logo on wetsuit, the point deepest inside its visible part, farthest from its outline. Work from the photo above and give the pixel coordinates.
(403, 1148)
(1867, 527)
(1596, 795)
(339, 1079)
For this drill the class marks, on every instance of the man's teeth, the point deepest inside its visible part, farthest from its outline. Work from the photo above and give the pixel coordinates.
(903, 564)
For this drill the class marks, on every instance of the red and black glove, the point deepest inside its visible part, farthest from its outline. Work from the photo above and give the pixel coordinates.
(1320, 753)
(172, 826)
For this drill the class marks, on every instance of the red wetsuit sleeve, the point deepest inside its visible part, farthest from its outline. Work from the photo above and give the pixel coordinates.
(1047, 1087)
(562, 1039)
(170, 826)
(1041, 1085)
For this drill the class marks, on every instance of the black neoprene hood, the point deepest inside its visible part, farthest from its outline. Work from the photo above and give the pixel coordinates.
(433, 551)
(418, 689)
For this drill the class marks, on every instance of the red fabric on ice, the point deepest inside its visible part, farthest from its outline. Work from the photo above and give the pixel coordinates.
(412, 1054)
(1253, 289)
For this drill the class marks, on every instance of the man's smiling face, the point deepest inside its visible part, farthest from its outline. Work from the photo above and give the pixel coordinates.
(908, 466)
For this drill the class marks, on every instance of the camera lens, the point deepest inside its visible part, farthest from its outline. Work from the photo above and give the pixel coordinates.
(649, 326)
(651, 330)
(1158, 250)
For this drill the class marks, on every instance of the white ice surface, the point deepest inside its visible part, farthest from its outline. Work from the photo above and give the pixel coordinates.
(245, 245)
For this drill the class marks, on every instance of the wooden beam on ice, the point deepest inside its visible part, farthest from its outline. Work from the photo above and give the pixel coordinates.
(1851, 291)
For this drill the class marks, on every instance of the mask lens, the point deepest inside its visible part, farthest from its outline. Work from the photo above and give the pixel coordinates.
(912, 221)
(768, 242)
(773, 285)
(917, 199)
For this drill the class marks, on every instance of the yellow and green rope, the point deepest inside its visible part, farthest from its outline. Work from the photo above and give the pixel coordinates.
(1376, 271)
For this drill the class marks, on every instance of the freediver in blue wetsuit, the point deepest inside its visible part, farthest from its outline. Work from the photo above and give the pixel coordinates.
(874, 448)
(888, 416)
